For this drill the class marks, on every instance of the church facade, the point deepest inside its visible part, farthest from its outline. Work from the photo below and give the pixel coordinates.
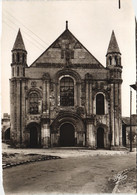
(66, 97)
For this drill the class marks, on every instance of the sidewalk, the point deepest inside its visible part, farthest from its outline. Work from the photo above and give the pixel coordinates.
(65, 153)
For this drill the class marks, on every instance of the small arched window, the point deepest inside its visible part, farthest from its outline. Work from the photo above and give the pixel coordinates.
(67, 91)
(18, 57)
(13, 71)
(23, 71)
(110, 60)
(17, 71)
(116, 60)
(33, 103)
(23, 58)
(100, 104)
(13, 58)
(119, 61)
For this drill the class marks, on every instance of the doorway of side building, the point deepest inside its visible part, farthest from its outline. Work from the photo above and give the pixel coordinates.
(67, 135)
(100, 137)
(33, 137)
(7, 134)
(124, 136)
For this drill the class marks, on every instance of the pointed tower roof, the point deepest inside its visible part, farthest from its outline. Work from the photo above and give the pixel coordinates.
(19, 44)
(113, 45)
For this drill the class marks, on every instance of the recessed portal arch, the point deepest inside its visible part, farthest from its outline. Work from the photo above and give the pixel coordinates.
(67, 134)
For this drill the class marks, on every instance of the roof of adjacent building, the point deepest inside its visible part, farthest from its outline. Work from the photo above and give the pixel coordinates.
(126, 120)
(19, 44)
(113, 45)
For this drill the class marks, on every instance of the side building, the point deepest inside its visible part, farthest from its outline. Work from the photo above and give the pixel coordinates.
(126, 127)
(5, 127)
(66, 97)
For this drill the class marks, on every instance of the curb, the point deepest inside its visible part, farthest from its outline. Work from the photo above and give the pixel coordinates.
(8, 165)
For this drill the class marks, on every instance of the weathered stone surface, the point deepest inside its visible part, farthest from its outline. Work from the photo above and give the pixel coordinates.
(37, 121)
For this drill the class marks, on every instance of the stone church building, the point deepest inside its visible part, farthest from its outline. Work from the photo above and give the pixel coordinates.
(66, 97)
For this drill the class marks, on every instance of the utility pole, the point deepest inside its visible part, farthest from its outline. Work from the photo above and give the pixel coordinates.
(119, 4)
(130, 119)
(135, 88)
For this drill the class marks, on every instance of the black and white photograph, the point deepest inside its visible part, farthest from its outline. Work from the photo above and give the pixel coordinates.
(68, 97)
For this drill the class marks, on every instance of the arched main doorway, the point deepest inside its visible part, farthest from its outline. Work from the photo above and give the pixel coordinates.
(33, 137)
(67, 135)
(100, 137)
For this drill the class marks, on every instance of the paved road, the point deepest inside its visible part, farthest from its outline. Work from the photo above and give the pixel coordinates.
(81, 174)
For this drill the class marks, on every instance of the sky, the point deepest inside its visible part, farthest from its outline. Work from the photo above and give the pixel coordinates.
(91, 22)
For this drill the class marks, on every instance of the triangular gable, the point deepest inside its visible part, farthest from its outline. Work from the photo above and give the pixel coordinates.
(67, 47)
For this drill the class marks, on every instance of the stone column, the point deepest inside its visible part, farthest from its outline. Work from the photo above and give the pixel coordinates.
(91, 137)
(116, 119)
(112, 114)
(45, 134)
(90, 99)
(57, 101)
(75, 94)
(47, 96)
(87, 97)
(46, 79)
(18, 111)
(13, 111)
(23, 113)
(44, 96)
(45, 121)
(78, 93)
(120, 117)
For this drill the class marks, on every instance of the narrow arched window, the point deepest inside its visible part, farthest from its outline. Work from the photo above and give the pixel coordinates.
(67, 91)
(13, 71)
(23, 58)
(110, 60)
(33, 103)
(13, 58)
(17, 71)
(62, 54)
(119, 61)
(72, 54)
(116, 60)
(23, 71)
(18, 57)
(100, 104)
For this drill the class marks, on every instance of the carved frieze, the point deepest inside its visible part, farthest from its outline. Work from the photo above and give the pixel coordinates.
(80, 111)
(33, 83)
(83, 100)
(88, 76)
(46, 76)
(26, 88)
(101, 87)
(33, 117)
(52, 99)
(102, 120)
(83, 94)
(77, 45)
(51, 87)
(56, 45)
